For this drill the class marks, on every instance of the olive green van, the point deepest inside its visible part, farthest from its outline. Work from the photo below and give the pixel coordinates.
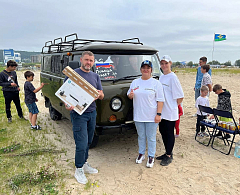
(116, 62)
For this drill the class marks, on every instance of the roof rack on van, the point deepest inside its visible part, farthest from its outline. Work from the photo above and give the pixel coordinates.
(58, 45)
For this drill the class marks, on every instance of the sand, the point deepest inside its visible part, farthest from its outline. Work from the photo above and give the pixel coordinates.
(196, 169)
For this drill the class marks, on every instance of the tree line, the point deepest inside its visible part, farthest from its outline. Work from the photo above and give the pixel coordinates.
(214, 62)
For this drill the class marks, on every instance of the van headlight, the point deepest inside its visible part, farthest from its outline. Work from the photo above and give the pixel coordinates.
(116, 104)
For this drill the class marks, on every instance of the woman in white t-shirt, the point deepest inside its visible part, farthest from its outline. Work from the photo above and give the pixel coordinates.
(148, 98)
(173, 96)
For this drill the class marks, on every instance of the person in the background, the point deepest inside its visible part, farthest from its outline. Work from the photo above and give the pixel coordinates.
(148, 98)
(206, 80)
(30, 99)
(133, 60)
(180, 113)
(199, 76)
(10, 88)
(173, 94)
(203, 101)
(224, 103)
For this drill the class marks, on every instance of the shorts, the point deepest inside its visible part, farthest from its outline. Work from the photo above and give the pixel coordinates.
(33, 108)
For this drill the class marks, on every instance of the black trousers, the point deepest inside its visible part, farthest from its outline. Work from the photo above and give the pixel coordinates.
(166, 129)
(198, 125)
(9, 97)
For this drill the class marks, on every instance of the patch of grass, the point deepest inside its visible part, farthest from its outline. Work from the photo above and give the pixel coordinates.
(11, 148)
(29, 178)
(20, 163)
(91, 186)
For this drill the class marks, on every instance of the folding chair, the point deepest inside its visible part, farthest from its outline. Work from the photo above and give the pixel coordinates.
(227, 142)
(207, 110)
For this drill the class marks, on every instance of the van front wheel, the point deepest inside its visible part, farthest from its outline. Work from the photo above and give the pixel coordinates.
(54, 114)
(94, 141)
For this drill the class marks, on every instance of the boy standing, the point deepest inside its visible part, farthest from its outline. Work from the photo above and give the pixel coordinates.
(10, 87)
(30, 99)
(206, 80)
(224, 103)
(203, 101)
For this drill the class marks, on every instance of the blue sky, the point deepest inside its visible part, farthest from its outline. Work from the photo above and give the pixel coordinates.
(182, 29)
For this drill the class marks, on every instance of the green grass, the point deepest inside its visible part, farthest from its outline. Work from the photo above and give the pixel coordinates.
(28, 161)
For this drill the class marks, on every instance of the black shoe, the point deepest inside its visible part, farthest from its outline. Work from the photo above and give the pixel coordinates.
(10, 120)
(166, 161)
(163, 156)
(37, 127)
(227, 136)
(219, 134)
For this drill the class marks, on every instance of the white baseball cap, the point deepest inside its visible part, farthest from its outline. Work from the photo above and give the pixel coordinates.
(166, 58)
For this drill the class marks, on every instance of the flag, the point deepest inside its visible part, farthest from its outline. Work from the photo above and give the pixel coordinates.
(219, 37)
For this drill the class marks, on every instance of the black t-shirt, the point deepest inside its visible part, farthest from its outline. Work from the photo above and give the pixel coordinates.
(30, 96)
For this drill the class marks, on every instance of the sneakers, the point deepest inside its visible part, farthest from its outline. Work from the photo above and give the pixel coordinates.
(205, 134)
(140, 158)
(37, 127)
(150, 162)
(219, 134)
(80, 176)
(166, 160)
(88, 169)
(227, 136)
(163, 156)
(200, 134)
(10, 120)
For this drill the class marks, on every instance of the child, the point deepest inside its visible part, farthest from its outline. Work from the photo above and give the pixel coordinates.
(30, 99)
(206, 80)
(224, 103)
(180, 113)
(203, 101)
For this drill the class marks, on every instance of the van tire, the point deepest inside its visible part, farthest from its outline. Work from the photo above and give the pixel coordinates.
(54, 114)
(94, 141)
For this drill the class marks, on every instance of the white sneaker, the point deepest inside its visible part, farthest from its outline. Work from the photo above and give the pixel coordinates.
(88, 169)
(150, 162)
(80, 176)
(140, 158)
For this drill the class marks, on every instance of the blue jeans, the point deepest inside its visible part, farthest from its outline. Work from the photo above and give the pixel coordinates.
(147, 131)
(83, 132)
(197, 93)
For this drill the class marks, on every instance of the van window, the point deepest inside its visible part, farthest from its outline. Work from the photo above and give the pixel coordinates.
(110, 67)
(56, 64)
(65, 61)
(47, 63)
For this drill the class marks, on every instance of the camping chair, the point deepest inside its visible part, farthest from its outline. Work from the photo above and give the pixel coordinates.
(207, 110)
(227, 142)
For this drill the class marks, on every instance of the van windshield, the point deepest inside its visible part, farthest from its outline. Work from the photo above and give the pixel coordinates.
(111, 67)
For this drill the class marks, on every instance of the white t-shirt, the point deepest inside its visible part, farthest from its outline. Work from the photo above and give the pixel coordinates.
(203, 101)
(172, 91)
(206, 80)
(146, 95)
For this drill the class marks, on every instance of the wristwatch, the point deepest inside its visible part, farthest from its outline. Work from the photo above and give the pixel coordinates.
(159, 114)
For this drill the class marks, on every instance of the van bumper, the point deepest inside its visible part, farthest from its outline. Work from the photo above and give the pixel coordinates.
(101, 130)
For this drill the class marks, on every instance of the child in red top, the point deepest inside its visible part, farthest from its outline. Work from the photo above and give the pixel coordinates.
(180, 113)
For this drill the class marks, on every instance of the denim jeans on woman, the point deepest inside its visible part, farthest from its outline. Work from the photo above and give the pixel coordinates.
(83, 132)
(147, 131)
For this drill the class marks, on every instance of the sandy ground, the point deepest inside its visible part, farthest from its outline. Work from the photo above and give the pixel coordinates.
(196, 169)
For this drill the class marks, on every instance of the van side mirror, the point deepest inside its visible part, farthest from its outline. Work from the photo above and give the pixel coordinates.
(73, 64)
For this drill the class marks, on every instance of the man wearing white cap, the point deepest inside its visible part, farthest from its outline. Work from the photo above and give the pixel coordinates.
(173, 97)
